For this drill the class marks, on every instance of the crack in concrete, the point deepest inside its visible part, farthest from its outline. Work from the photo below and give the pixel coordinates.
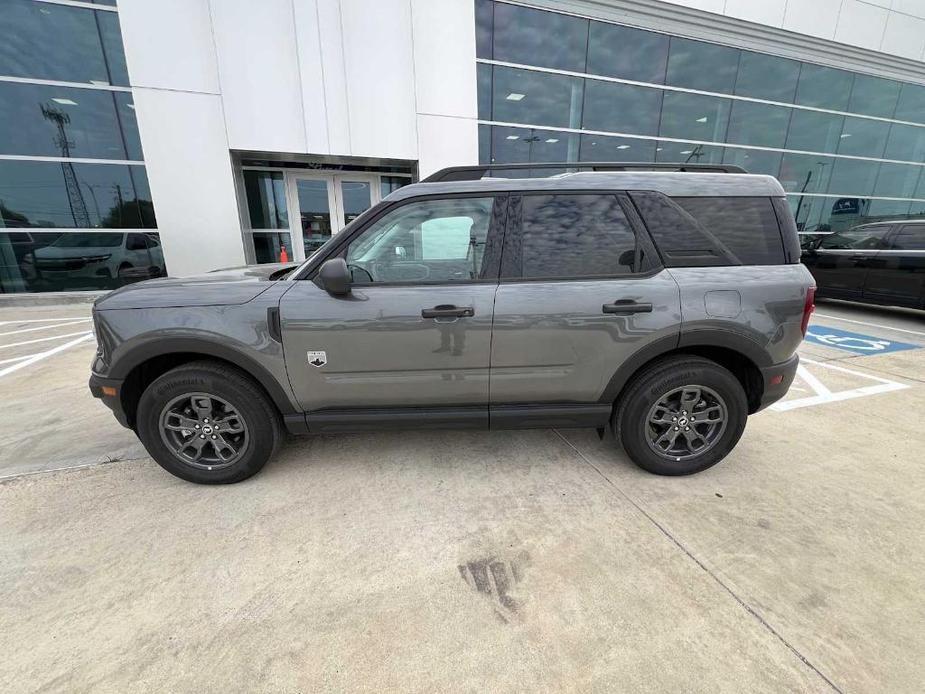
(741, 601)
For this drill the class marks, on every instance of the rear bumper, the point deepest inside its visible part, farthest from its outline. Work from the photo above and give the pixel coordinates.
(113, 402)
(777, 380)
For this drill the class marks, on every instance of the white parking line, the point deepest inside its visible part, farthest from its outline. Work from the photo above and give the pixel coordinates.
(43, 339)
(824, 395)
(45, 327)
(10, 361)
(872, 325)
(44, 355)
(42, 320)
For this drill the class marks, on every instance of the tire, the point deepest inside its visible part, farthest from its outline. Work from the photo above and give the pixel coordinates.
(247, 425)
(660, 393)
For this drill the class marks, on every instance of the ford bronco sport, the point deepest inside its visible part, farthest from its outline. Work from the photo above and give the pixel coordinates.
(664, 302)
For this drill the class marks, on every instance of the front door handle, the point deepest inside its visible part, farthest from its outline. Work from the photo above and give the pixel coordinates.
(625, 307)
(448, 311)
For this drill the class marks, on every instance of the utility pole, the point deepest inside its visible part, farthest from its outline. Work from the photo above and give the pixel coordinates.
(75, 196)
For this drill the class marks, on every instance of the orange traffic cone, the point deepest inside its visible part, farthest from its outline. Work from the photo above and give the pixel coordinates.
(283, 256)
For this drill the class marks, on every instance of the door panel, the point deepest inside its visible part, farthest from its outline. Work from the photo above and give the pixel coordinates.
(553, 342)
(840, 261)
(897, 274)
(392, 342)
(562, 328)
(381, 351)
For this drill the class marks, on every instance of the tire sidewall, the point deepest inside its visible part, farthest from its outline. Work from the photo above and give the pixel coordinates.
(634, 416)
(175, 384)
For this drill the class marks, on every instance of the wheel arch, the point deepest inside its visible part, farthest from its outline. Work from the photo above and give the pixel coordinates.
(141, 366)
(741, 355)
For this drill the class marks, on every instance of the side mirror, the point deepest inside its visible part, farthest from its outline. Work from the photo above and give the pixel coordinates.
(334, 276)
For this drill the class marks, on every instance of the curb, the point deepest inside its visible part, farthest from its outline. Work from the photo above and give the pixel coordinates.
(49, 298)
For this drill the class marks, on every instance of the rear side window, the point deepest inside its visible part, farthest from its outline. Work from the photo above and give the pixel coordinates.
(910, 238)
(569, 236)
(746, 226)
(860, 239)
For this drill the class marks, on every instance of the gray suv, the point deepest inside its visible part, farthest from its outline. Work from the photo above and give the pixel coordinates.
(664, 302)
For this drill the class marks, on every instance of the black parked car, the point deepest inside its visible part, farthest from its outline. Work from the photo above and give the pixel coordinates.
(880, 263)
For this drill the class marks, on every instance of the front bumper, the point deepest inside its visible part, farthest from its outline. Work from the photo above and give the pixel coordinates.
(111, 397)
(776, 380)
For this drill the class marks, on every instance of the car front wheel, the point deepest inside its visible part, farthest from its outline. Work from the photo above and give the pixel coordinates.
(681, 415)
(208, 423)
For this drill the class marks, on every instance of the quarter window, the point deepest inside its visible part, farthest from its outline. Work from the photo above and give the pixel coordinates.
(573, 236)
(426, 241)
(746, 226)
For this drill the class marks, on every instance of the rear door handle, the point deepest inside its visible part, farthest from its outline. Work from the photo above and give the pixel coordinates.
(625, 307)
(448, 311)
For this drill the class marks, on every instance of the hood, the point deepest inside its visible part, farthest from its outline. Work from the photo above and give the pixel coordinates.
(220, 288)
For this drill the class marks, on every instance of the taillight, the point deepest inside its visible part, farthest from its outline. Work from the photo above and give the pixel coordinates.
(808, 308)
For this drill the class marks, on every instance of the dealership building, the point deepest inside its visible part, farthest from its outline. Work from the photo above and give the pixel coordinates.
(148, 137)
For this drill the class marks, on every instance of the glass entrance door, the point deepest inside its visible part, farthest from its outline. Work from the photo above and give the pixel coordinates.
(322, 204)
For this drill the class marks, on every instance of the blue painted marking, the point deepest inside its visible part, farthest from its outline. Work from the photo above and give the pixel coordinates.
(854, 342)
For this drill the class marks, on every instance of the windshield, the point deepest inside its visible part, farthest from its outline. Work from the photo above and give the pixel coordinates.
(89, 240)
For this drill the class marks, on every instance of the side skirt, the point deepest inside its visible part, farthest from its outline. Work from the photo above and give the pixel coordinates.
(567, 415)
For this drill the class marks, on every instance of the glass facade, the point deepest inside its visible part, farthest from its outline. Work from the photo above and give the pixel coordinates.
(75, 206)
(849, 148)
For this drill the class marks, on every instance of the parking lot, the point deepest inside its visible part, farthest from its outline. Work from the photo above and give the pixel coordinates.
(465, 561)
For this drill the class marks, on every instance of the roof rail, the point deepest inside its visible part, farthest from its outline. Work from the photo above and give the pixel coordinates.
(474, 173)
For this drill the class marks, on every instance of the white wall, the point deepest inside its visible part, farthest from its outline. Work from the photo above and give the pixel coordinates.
(192, 184)
(176, 91)
(894, 27)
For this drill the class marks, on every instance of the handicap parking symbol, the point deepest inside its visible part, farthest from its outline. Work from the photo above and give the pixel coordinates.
(854, 342)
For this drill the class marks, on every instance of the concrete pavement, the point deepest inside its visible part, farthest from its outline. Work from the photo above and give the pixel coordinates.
(467, 561)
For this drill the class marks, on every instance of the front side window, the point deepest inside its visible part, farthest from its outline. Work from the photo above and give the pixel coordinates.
(425, 241)
(864, 239)
(574, 236)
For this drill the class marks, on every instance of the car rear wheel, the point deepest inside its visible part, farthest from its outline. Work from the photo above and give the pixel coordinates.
(208, 423)
(681, 415)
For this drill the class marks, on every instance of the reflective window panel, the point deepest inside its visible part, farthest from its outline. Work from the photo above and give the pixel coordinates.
(824, 87)
(767, 77)
(621, 108)
(756, 161)
(686, 153)
(266, 199)
(897, 180)
(532, 145)
(863, 137)
(484, 25)
(751, 123)
(60, 42)
(67, 122)
(631, 54)
(269, 245)
(536, 98)
(705, 66)
(911, 103)
(906, 143)
(694, 117)
(604, 148)
(817, 214)
(805, 173)
(814, 131)
(535, 37)
(853, 177)
(874, 96)
(72, 260)
(51, 194)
